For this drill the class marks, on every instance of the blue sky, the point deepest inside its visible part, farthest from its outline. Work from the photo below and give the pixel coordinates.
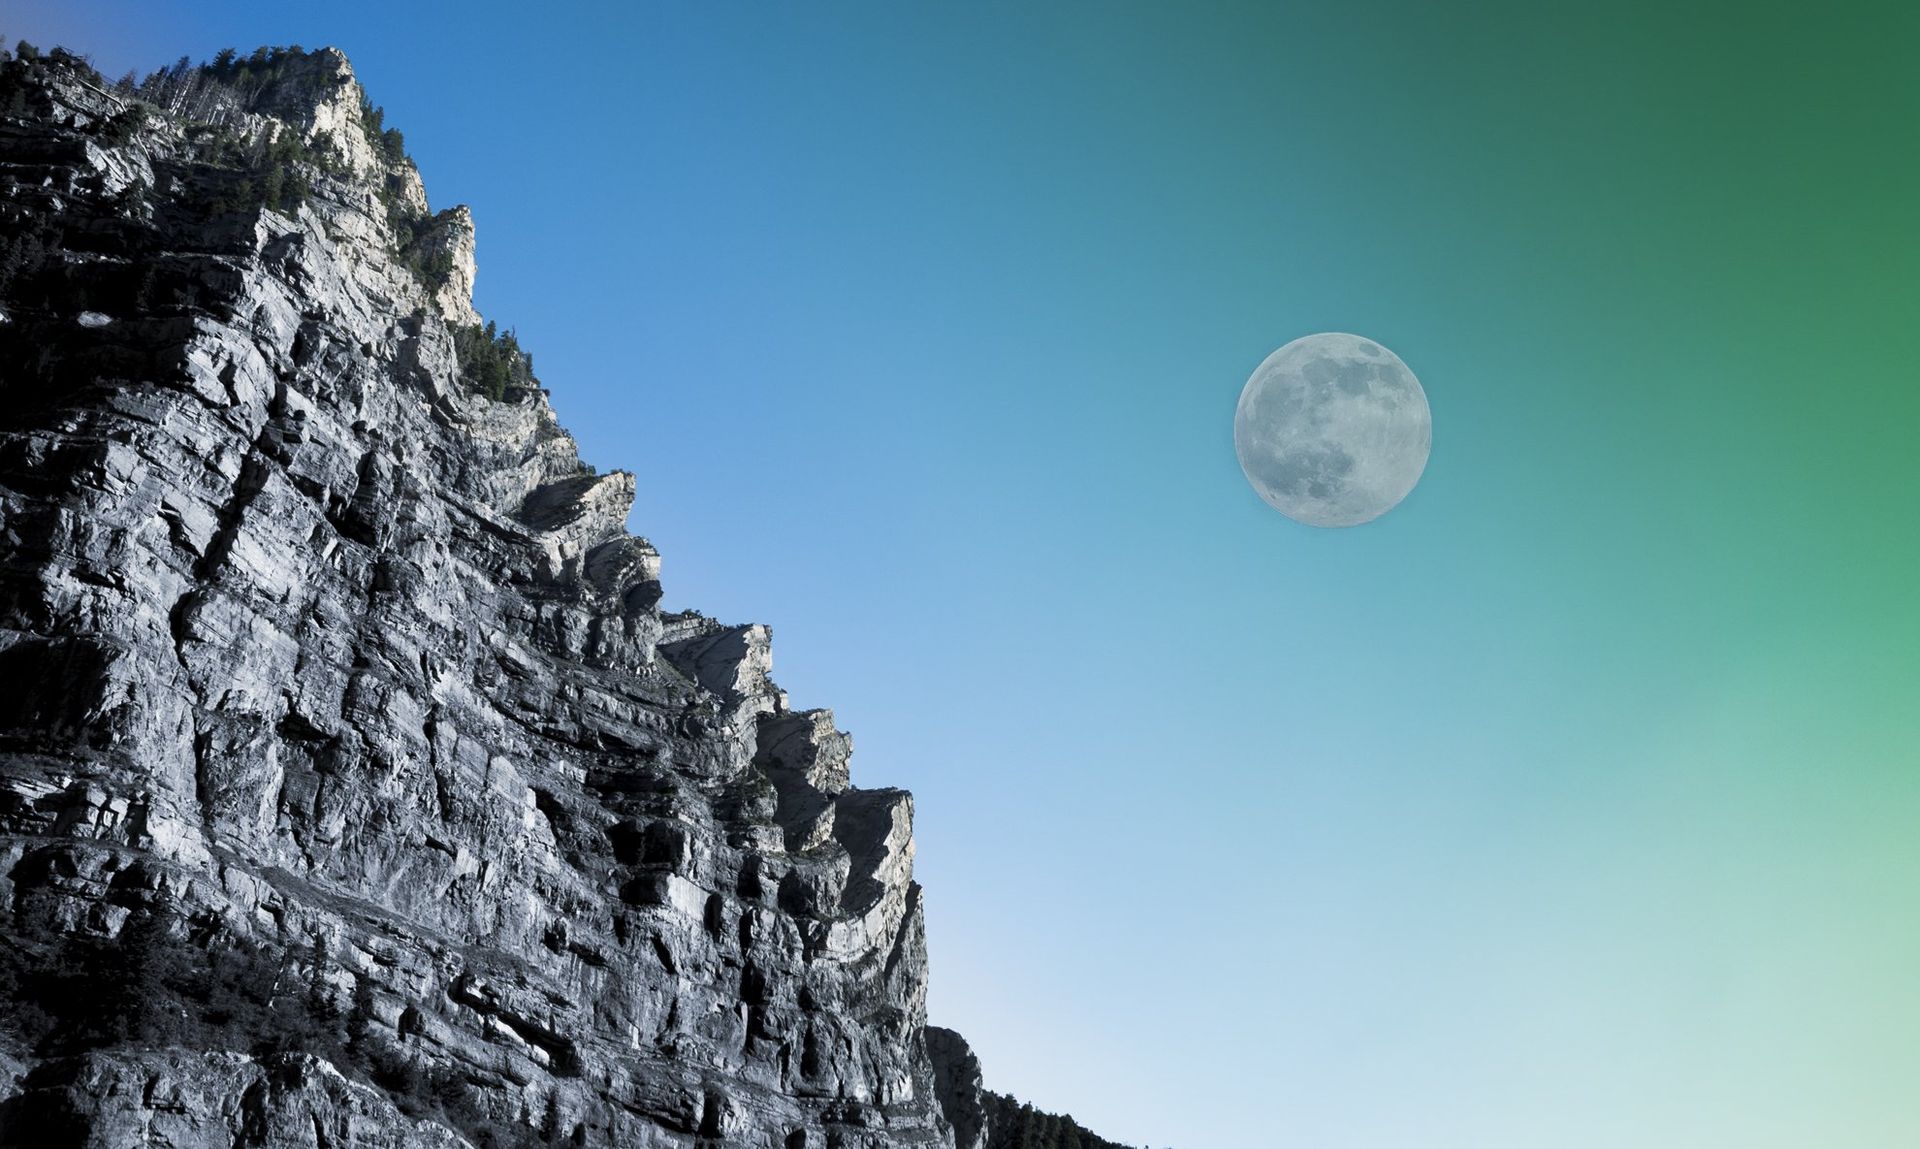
(1568, 804)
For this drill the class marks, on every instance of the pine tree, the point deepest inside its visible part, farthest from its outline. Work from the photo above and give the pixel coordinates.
(1028, 1130)
(360, 1017)
(140, 998)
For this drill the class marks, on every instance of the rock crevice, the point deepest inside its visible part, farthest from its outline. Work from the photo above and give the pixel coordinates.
(341, 709)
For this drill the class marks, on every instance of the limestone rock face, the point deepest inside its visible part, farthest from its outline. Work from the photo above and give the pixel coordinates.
(213, 1100)
(450, 238)
(957, 1078)
(319, 662)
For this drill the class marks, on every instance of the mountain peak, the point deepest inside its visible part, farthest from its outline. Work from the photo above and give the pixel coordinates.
(354, 789)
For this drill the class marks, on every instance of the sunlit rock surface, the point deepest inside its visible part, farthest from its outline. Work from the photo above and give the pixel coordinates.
(335, 690)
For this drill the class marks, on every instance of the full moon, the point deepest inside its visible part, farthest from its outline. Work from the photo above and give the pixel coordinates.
(1332, 430)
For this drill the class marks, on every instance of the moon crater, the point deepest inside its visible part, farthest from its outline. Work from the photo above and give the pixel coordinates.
(1333, 430)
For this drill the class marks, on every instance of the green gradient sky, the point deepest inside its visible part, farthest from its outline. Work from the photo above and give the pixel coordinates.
(1574, 803)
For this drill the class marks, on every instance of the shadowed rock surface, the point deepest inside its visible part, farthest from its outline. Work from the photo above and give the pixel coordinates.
(353, 789)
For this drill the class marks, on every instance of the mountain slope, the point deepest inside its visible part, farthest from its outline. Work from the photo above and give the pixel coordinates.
(354, 791)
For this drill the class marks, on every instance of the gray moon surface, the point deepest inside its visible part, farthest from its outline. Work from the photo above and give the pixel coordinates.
(1333, 430)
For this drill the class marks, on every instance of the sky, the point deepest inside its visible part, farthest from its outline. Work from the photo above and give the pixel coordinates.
(1573, 803)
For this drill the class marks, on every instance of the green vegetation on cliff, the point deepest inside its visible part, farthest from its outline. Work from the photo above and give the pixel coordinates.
(492, 361)
(155, 986)
(1016, 1125)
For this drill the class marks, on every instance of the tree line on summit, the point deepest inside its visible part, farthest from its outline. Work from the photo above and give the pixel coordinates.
(278, 174)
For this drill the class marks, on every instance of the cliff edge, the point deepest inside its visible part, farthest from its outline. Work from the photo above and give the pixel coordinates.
(354, 789)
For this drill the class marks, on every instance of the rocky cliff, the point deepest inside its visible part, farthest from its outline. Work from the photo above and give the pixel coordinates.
(354, 788)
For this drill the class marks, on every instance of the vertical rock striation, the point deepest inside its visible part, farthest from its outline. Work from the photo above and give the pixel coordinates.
(339, 714)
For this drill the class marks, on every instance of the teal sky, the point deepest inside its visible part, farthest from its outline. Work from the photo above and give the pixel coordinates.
(1574, 803)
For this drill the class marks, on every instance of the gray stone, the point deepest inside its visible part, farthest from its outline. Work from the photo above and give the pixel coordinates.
(312, 651)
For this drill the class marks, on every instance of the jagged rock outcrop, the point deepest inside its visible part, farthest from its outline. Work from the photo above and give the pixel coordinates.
(960, 1087)
(341, 729)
